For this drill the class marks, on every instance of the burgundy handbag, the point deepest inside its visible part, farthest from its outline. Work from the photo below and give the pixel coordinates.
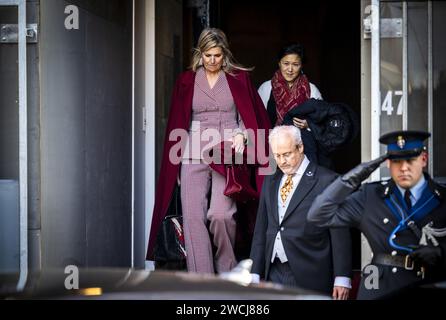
(238, 183)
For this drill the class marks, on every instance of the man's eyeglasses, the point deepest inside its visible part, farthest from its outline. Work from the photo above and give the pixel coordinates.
(286, 155)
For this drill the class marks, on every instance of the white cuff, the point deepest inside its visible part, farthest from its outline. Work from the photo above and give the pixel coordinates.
(255, 278)
(237, 131)
(343, 282)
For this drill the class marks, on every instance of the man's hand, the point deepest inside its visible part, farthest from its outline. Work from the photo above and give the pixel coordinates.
(359, 173)
(340, 293)
(428, 255)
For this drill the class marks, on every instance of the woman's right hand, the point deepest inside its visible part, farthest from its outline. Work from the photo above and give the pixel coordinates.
(238, 142)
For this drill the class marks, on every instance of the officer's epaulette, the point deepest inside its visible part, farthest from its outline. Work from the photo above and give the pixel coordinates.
(385, 187)
(438, 188)
(375, 182)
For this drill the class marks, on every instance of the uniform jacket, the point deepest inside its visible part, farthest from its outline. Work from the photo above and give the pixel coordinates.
(366, 210)
(316, 256)
(252, 113)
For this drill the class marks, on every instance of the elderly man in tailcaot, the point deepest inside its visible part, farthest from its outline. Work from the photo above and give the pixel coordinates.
(286, 248)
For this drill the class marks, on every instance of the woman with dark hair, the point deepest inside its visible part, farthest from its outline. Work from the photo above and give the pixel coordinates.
(216, 95)
(290, 99)
(289, 86)
(288, 89)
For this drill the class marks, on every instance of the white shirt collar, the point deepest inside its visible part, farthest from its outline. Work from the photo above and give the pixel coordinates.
(303, 166)
(301, 170)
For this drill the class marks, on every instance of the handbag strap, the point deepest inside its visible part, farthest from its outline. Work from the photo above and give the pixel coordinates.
(178, 208)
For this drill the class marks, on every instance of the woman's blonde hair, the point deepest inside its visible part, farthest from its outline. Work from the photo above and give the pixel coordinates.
(212, 38)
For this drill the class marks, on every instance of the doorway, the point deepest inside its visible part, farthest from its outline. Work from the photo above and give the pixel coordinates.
(331, 35)
(329, 32)
(256, 31)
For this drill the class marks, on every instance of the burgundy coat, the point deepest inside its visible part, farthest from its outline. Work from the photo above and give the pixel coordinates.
(250, 108)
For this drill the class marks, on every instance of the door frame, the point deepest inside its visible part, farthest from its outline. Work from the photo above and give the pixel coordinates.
(143, 128)
(23, 138)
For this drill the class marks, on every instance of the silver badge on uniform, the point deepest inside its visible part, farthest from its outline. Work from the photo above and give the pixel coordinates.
(310, 174)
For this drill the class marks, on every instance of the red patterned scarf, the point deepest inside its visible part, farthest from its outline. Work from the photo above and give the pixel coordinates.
(286, 98)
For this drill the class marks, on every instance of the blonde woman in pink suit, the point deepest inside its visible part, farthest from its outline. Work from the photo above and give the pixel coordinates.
(216, 94)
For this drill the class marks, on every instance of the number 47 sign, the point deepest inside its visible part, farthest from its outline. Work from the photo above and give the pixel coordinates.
(387, 105)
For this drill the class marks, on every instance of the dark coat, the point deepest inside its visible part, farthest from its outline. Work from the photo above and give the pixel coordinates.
(251, 110)
(316, 256)
(333, 125)
(366, 210)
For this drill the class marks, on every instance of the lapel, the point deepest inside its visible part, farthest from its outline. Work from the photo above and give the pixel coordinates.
(274, 190)
(427, 203)
(202, 83)
(220, 84)
(242, 100)
(305, 185)
(390, 199)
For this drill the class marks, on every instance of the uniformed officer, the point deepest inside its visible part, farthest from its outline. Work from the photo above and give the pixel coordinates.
(403, 219)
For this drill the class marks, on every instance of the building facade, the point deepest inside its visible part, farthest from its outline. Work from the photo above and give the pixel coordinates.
(85, 94)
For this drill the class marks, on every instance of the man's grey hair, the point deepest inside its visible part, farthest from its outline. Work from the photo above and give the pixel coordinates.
(291, 131)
